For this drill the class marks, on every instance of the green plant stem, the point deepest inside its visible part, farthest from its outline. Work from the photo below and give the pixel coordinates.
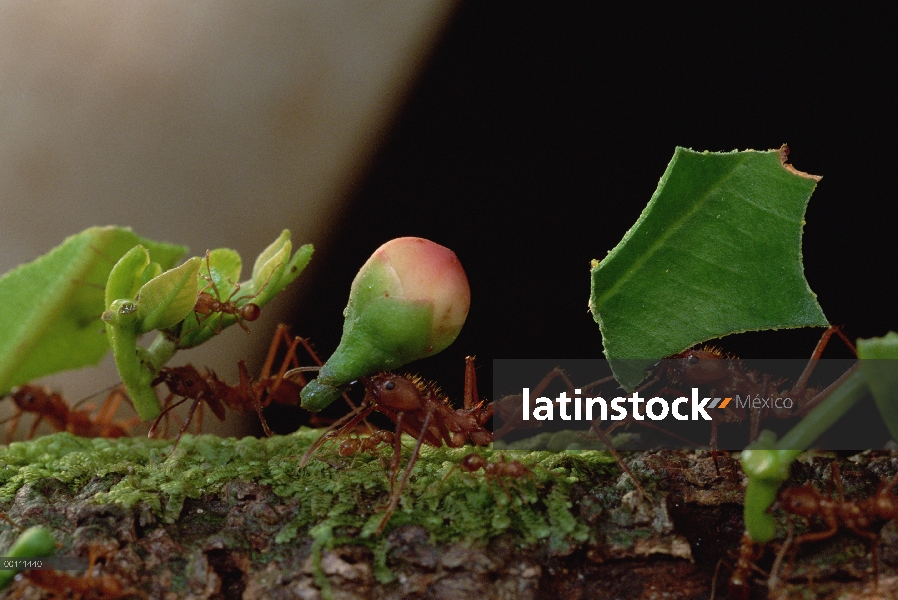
(848, 389)
(768, 467)
(161, 351)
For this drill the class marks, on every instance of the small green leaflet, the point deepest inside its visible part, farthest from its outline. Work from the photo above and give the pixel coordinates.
(716, 251)
(51, 307)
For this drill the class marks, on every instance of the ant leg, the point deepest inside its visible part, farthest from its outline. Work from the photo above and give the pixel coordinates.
(168, 407)
(397, 449)
(37, 421)
(818, 352)
(516, 418)
(773, 582)
(346, 422)
(13, 425)
(397, 492)
(108, 409)
(620, 461)
(813, 402)
(471, 397)
(296, 373)
(196, 403)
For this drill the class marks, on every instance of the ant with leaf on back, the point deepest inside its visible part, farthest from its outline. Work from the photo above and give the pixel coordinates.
(726, 377)
(418, 409)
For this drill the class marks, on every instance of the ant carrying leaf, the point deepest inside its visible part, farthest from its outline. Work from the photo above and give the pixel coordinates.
(420, 410)
(140, 299)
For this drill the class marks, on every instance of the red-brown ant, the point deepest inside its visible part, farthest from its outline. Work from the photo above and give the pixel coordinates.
(188, 383)
(856, 515)
(418, 409)
(739, 585)
(51, 407)
(493, 471)
(370, 443)
(724, 377)
(208, 304)
(85, 587)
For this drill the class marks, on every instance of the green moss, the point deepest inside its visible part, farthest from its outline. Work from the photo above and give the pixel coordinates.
(332, 491)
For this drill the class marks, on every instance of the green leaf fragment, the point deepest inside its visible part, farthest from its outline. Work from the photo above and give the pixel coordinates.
(167, 298)
(274, 269)
(716, 251)
(51, 307)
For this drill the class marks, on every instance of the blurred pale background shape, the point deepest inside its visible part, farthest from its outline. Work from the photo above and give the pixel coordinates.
(202, 123)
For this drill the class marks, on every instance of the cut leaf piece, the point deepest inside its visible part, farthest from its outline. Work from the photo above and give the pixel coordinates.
(50, 320)
(716, 251)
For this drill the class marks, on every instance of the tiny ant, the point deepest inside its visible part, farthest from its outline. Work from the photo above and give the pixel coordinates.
(208, 304)
(493, 471)
(351, 446)
(418, 409)
(857, 515)
(739, 585)
(51, 406)
(188, 383)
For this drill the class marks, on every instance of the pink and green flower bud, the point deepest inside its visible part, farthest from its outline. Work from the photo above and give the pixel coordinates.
(408, 301)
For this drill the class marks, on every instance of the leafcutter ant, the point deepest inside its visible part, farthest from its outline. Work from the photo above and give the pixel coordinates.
(354, 445)
(500, 470)
(418, 409)
(726, 377)
(208, 304)
(739, 585)
(188, 383)
(857, 515)
(51, 407)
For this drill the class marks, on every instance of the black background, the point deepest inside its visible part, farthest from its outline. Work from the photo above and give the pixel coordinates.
(534, 138)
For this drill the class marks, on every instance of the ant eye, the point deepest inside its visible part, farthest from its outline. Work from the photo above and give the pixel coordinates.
(693, 359)
(389, 385)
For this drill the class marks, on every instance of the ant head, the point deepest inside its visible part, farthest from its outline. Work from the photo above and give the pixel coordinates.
(698, 366)
(30, 398)
(472, 462)
(803, 501)
(394, 391)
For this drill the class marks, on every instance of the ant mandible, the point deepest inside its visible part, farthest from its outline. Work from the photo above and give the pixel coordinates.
(51, 406)
(418, 409)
